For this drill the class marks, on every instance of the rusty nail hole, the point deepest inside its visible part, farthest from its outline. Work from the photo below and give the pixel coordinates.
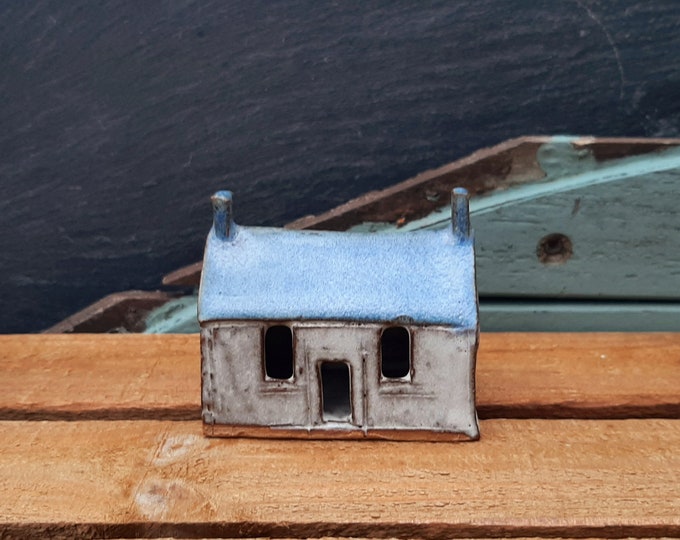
(554, 249)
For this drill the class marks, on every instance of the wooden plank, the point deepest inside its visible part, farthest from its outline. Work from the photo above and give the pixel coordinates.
(571, 315)
(99, 376)
(608, 375)
(518, 376)
(525, 477)
(119, 312)
(589, 207)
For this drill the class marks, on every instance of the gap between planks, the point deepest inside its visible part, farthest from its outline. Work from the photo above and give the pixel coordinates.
(523, 375)
(570, 478)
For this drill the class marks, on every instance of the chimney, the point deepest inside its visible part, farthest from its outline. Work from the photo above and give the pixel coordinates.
(223, 217)
(460, 213)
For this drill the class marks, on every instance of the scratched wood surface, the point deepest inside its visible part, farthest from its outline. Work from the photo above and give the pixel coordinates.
(101, 437)
(525, 477)
(518, 375)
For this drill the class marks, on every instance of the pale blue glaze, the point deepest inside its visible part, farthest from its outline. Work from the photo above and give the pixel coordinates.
(425, 277)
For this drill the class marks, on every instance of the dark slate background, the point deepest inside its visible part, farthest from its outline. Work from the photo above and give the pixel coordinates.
(119, 118)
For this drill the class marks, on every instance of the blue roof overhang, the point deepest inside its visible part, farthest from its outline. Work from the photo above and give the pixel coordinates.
(425, 277)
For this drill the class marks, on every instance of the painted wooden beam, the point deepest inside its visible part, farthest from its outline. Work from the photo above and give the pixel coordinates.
(119, 312)
(621, 223)
(526, 315)
(619, 219)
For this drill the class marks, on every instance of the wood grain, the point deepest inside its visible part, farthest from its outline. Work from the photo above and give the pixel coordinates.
(518, 376)
(581, 375)
(525, 477)
(106, 376)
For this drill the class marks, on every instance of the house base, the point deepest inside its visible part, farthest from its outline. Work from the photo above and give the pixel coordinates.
(266, 432)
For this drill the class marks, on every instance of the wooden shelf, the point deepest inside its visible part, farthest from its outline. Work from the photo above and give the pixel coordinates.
(101, 436)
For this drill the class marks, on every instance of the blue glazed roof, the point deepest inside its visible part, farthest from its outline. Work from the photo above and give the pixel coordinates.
(276, 274)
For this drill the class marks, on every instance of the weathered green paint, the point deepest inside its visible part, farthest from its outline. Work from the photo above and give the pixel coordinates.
(621, 217)
(581, 316)
(622, 221)
(176, 317)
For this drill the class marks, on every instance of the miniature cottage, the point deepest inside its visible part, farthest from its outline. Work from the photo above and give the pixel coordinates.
(338, 334)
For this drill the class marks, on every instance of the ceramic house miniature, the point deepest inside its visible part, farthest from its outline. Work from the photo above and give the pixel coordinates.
(314, 334)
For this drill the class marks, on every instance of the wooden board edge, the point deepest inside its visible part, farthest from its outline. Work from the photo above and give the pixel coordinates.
(124, 310)
(423, 531)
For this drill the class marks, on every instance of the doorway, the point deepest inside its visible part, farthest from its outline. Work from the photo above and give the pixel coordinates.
(336, 392)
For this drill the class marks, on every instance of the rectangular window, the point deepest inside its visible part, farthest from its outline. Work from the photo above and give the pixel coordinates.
(395, 353)
(278, 352)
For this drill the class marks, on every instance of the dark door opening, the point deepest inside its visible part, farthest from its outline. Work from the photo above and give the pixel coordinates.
(336, 391)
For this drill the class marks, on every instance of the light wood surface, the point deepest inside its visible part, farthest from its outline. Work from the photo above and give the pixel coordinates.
(101, 436)
(525, 477)
(579, 375)
(102, 376)
(108, 376)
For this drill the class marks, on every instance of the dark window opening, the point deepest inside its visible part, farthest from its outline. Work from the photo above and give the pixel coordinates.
(336, 392)
(278, 352)
(395, 352)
